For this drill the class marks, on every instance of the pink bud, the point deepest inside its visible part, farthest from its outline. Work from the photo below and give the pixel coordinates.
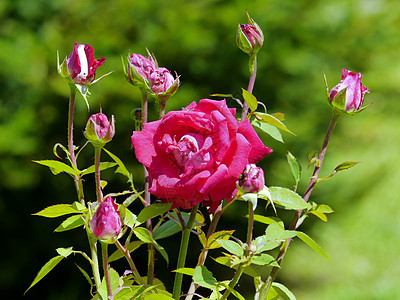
(99, 130)
(252, 179)
(348, 94)
(106, 222)
(143, 66)
(81, 64)
(161, 80)
(252, 34)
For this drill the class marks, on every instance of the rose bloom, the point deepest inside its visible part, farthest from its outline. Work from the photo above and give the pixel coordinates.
(106, 222)
(197, 154)
(348, 94)
(143, 65)
(81, 64)
(161, 80)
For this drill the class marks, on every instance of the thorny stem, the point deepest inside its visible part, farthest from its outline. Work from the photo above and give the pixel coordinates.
(150, 264)
(99, 194)
(250, 87)
(131, 263)
(70, 137)
(183, 252)
(295, 224)
(104, 248)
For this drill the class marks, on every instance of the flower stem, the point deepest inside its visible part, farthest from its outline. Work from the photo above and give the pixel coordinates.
(295, 224)
(104, 248)
(131, 263)
(250, 224)
(99, 194)
(183, 252)
(70, 137)
(95, 260)
(250, 87)
(234, 281)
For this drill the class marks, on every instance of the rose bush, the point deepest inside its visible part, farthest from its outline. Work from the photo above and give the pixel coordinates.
(197, 154)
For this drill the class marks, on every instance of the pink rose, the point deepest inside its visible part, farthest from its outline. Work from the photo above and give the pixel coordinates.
(142, 65)
(106, 222)
(197, 154)
(81, 64)
(348, 94)
(161, 80)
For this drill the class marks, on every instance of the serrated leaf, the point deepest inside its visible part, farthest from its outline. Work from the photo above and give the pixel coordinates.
(57, 167)
(70, 223)
(270, 119)
(114, 282)
(103, 166)
(249, 270)
(250, 100)
(145, 236)
(121, 167)
(287, 198)
(57, 211)
(64, 252)
(268, 129)
(310, 242)
(231, 246)
(130, 218)
(186, 271)
(167, 229)
(346, 165)
(294, 167)
(283, 291)
(203, 277)
(45, 270)
(151, 211)
(262, 260)
(212, 241)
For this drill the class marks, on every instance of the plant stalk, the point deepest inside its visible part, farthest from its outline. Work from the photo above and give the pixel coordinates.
(106, 268)
(294, 224)
(95, 260)
(183, 252)
(250, 87)
(234, 281)
(99, 194)
(131, 263)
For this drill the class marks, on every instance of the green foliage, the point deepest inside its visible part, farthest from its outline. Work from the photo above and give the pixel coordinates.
(287, 198)
(58, 210)
(310, 242)
(250, 100)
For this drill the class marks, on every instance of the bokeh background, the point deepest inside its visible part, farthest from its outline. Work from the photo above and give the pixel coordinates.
(303, 40)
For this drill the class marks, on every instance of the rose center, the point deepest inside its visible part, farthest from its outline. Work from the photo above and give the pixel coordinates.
(185, 149)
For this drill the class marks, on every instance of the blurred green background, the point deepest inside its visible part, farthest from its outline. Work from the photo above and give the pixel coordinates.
(303, 40)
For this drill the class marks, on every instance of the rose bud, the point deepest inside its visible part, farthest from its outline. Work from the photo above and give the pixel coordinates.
(139, 69)
(99, 131)
(252, 179)
(106, 222)
(348, 95)
(250, 37)
(81, 64)
(163, 83)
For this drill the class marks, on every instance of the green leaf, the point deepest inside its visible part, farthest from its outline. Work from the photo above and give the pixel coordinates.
(203, 277)
(64, 252)
(268, 129)
(131, 247)
(250, 100)
(145, 236)
(57, 167)
(319, 214)
(283, 291)
(310, 242)
(114, 282)
(346, 165)
(249, 270)
(294, 167)
(87, 278)
(167, 229)
(264, 219)
(157, 297)
(263, 260)
(121, 167)
(186, 271)
(152, 211)
(288, 199)
(57, 211)
(103, 166)
(130, 218)
(272, 294)
(70, 223)
(212, 241)
(131, 198)
(270, 119)
(45, 270)
(231, 246)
